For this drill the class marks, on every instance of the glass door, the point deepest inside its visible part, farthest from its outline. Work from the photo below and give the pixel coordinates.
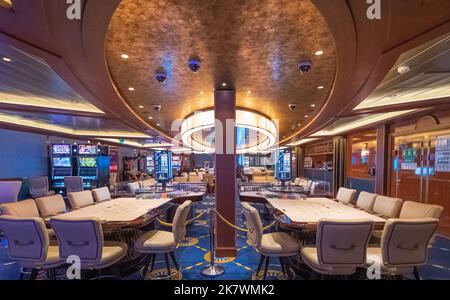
(407, 166)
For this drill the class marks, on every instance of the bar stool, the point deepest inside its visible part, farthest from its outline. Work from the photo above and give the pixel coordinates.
(29, 245)
(274, 244)
(164, 242)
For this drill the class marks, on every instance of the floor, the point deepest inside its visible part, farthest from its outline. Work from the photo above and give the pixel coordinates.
(193, 256)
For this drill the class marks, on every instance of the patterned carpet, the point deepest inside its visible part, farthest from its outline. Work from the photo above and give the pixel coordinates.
(193, 256)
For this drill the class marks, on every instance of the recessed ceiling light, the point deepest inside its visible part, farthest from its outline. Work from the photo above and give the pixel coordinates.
(318, 53)
(313, 105)
(224, 84)
(141, 106)
(321, 87)
(7, 59)
(124, 56)
(299, 124)
(158, 124)
(201, 93)
(150, 118)
(249, 92)
(306, 116)
(131, 88)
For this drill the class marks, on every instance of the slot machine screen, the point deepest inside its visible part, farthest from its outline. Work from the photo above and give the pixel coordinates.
(62, 162)
(87, 149)
(87, 162)
(61, 149)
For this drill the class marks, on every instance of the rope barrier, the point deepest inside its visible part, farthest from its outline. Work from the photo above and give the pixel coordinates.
(239, 228)
(187, 222)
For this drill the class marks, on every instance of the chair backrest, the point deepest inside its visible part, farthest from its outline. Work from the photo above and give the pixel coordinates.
(73, 184)
(343, 242)
(27, 238)
(101, 194)
(180, 179)
(80, 199)
(179, 221)
(151, 182)
(51, 205)
(297, 181)
(387, 206)
(82, 237)
(404, 242)
(259, 178)
(270, 178)
(38, 186)
(195, 178)
(345, 195)
(25, 208)
(416, 210)
(314, 186)
(132, 187)
(254, 224)
(9, 191)
(366, 201)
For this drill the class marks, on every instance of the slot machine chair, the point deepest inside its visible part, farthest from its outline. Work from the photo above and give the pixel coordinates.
(39, 187)
(73, 184)
(9, 191)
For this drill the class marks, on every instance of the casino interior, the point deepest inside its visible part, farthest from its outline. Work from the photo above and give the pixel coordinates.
(224, 139)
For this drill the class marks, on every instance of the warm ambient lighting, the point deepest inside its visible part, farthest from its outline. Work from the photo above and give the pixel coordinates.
(137, 144)
(124, 56)
(197, 131)
(249, 92)
(201, 93)
(7, 59)
(318, 53)
(301, 142)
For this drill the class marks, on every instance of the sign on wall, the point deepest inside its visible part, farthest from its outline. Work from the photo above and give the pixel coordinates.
(443, 154)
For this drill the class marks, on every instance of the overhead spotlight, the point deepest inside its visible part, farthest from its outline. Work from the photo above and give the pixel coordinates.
(201, 93)
(306, 116)
(318, 53)
(313, 105)
(305, 66)
(292, 106)
(224, 84)
(131, 88)
(141, 106)
(158, 124)
(150, 118)
(194, 64)
(7, 59)
(404, 69)
(249, 92)
(124, 56)
(321, 87)
(157, 107)
(161, 76)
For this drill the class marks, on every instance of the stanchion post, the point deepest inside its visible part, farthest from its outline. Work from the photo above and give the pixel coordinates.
(212, 270)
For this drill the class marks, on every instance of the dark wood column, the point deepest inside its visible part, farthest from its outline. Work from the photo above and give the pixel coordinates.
(339, 166)
(382, 167)
(225, 170)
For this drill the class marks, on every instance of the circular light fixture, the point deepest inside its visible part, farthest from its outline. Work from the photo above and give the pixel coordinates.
(131, 88)
(306, 116)
(224, 84)
(318, 53)
(141, 106)
(198, 132)
(7, 59)
(313, 105)
(124, 56)
(150, 118)
(158, 124)
(321, 87)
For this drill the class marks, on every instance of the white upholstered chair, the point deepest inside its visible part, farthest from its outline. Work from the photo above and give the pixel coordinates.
(73, 184)
(346, 196)
(24, 208)
(180, 179)
(404, 246)
(51, 205)
(387, 207)
(80, 199)
(164, 242)
(83, 237)
(415, 210)
(29, 244)
(148, 183)
(9, 191)
(133, 187)
(39, 187)
(296, 181)
(274, 244)
(366, 201)
(195, 178)
(341, 247)
(101, 194)
(313, 187)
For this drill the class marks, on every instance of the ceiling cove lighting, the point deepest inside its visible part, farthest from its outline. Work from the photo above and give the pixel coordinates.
(301, 142)
(198, 131)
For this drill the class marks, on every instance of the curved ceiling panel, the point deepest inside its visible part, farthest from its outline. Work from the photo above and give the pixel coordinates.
(253, 46)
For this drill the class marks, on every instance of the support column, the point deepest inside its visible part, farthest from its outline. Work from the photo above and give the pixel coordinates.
(382, 166)
(225, 170)
(339, 155)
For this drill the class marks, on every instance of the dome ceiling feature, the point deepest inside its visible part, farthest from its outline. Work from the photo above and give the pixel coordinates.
(251, 45)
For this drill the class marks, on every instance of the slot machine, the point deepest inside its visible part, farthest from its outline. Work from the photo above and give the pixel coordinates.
(163, 165)
(61, 165)
(283, 166)
(87, 164)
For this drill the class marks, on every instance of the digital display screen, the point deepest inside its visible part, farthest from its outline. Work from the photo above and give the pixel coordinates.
(87, 149)
(61, 149)
(87, 162)
(59, 162)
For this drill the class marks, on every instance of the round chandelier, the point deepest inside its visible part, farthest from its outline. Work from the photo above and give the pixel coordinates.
(254, 132)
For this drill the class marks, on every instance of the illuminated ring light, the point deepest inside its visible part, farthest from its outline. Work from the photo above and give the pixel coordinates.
(253, 121)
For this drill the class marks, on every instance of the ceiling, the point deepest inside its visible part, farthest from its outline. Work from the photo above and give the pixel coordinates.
(253, 46)
(28, 81)
(428, 78)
